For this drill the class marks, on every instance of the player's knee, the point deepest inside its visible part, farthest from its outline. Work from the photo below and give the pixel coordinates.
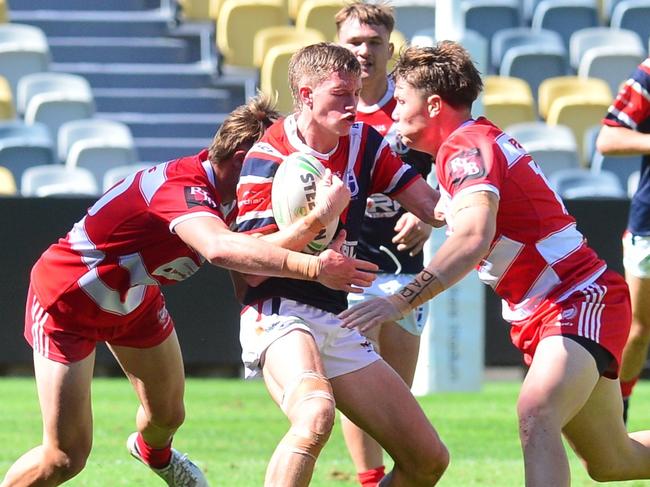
(534, 413)
(63, 465)
(169, 418)
(427, 465)
(602, 472)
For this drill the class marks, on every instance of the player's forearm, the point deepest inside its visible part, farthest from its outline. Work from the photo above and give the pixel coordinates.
(297, 235)
(622, 141)
(421, 199)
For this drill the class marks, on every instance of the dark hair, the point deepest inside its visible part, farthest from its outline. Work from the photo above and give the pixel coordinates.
(445, 69)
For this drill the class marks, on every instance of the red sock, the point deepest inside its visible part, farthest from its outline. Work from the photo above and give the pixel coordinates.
(154, 457)
(627, 387)
(370, 478)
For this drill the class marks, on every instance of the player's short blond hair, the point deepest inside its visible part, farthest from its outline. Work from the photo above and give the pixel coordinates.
(367, 13)
(315, 63)
(243, 127)
(445, 69)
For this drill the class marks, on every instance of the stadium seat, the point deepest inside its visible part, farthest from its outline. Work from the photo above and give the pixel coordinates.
(504, 39)
(319, 15)
(273, 75)
(585, 39)
(632, 15)
(552, 147)
(490, 16)
(282, 34)
(613, 65)
(96, 144)
(413, 16)
(7, 111)
(581, 183)
(554, 87)
(239, 21)
(399, 41)
(58, 180)
(23, 50)
(621, 166)
(565, 16)
(579, 112)
(4, 12)
(118, 173)
(23, 145)
(54, 98)
(195, 10)
(7, 182)
(534, 64)
(507, 101)
(471, 40)
(589, 142)
(633, 183)
(214, 8)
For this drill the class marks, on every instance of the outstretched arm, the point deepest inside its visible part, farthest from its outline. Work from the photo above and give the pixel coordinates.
(474, 217)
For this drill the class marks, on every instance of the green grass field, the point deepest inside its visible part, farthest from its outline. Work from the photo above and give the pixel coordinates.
(232, 427)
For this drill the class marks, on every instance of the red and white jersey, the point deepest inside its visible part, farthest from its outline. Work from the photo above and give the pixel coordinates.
(126, 241)
(363, 160)
(537, 253)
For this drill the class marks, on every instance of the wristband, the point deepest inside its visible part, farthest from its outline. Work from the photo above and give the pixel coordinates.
(425, 286)
(313, 223)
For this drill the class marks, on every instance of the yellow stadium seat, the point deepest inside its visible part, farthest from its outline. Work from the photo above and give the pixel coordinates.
(195, 9)
(214, 8)
(274, 75)
(7, 111)
(239, 21)
(282, 34)
(319, 15)
(552, 88)
(292, 8)
(7, 182)
(399, 42)
(579, 112)
(4, 11)
(508, 100)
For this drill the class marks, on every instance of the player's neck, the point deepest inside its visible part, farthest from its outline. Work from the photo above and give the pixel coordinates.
(315, 136)
(454, 120)
(372, 91)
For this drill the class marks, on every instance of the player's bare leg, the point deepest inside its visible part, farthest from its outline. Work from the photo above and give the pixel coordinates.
(379, 401)
(636, 348)
(158, 377)
(295, 378)
(558, 384)
(598, 436)
(64, 397)
(399, 349)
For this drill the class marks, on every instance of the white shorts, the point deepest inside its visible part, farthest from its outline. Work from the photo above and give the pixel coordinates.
(342, 350)
(636, 255)
(386, 284)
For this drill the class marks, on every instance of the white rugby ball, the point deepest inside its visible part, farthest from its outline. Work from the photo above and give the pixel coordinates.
(293, 195)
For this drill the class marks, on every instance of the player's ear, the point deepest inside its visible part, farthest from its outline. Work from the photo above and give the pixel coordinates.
(391, 49)
(306, 96)
(434, 104)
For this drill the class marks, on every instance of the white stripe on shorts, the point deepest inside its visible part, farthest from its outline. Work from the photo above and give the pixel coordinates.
(39, 338)
(591, 312)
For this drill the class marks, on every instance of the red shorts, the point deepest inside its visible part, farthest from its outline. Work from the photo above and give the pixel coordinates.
(600, 313)
(71, 335)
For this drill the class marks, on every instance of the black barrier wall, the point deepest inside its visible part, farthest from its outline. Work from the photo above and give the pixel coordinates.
(203, 307)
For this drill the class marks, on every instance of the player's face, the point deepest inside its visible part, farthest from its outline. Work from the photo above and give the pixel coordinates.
(334, 103)
(413, 118)
(370, 44)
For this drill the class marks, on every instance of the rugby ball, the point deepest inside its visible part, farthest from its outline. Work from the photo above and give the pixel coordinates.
(293, 195)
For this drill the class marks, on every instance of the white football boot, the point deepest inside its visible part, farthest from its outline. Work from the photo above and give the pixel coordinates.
(180, 472)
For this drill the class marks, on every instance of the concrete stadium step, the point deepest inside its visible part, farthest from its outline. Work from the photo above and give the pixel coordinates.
(123, 50)
(164, 100)
(131, 75)
(77, 23)
(165, 149)
(169, 125)
(85, 4)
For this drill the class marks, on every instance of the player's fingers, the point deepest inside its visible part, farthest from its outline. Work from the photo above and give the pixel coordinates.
(401, 235)
(417, 248)
(337, 243)
(364, 265)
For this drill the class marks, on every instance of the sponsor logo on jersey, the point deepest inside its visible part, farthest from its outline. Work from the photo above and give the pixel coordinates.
(349, 249)
(199, 196)
(177, 270)
(467, 164)
(381, 206)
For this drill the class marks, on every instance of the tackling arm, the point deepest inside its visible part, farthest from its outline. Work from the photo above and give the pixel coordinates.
(474, 228)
